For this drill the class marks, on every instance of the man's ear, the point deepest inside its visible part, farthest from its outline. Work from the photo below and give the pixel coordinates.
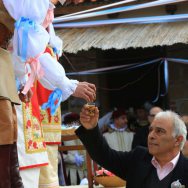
(178, 141)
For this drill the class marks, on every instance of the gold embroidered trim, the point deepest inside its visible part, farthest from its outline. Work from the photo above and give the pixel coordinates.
(33, 135)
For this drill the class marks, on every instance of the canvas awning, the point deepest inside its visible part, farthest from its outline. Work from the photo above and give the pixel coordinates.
(124, 36)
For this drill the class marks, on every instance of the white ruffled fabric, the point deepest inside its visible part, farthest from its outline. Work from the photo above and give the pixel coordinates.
(33, 9)
(37, 37)
(19, 66)
(55, 41)
(49, 16)
(19, 70)
(37, 40)
(54, 76)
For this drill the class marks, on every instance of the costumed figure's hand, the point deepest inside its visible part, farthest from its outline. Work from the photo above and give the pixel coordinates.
(25, 98)
(79, 159)
(85, 91)
(89, 121)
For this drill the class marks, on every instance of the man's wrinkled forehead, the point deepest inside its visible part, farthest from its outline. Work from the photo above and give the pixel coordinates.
(162, 121)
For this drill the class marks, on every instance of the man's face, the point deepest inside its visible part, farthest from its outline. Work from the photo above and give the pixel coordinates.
(141, 114)
(152, 113)
(121, 121)
(160, 139)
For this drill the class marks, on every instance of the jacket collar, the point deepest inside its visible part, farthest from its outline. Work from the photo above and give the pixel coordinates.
(179, 171)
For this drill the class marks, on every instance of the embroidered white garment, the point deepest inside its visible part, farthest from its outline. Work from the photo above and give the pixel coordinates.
(28, 159)
(19, 69)
(54, 76)
(120, 141)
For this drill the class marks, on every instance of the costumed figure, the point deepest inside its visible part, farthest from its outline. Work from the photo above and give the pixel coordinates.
(51, 113)
(9, 171)
(31, 146)
(30, 40)
(117, 133)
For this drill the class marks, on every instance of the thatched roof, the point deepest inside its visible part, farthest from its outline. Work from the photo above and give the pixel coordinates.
(124, 36)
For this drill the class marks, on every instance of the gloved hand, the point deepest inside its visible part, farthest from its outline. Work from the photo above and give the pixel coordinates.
(79, 159)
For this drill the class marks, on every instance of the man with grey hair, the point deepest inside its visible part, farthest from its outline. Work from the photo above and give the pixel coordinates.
(161, 165)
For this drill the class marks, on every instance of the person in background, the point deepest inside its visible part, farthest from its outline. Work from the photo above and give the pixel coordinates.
(132, 122)
(104, 121)
(184, 117)
(140, 138)
(117, 133)
(185, 148)
(142, 114)
(74, 160)
(160, 165)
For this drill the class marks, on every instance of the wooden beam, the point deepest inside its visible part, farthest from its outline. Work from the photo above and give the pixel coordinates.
(68, 137)
(59, 11)
(69, 148)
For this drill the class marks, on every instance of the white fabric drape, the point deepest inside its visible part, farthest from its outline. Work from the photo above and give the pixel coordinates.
(120, 141)
(54, 76)
(33, 9)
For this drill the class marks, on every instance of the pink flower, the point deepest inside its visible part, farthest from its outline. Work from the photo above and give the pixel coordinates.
(104, 172)
(108, 173)
(99, 172)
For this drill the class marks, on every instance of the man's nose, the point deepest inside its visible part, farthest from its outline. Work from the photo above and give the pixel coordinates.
(151, 134)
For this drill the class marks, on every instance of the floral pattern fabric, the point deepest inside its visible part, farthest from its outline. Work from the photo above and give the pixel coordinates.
(33, 134)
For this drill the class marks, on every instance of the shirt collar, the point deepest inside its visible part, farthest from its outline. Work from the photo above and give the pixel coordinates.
(173, 162)
(112, 126)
